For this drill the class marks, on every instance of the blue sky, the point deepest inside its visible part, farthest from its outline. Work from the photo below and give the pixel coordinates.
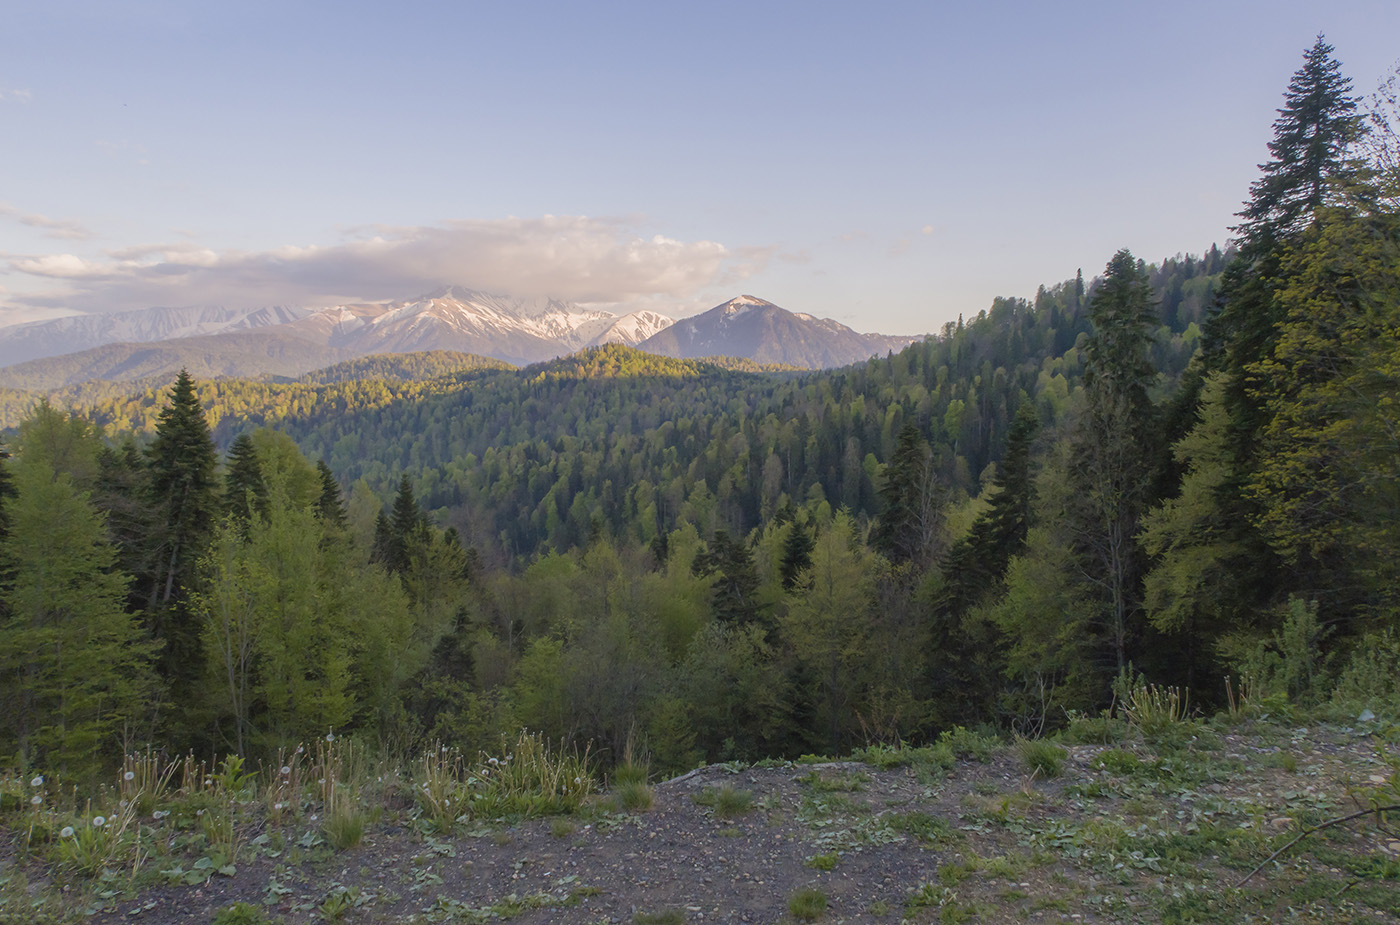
(890, 165)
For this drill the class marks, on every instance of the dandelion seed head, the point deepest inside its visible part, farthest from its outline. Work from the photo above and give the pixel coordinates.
(37, 800)
(286, 769)
(38, 781)
(129, 775)
(67, 832)
(99, 821)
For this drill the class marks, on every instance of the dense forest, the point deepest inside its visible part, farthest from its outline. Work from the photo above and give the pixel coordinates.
(1188, 470)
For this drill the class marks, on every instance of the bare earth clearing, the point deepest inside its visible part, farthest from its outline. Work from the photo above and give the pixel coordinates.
(1128, 831)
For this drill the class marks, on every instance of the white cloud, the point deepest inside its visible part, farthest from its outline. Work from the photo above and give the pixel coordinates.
(567, 257)
(52, 227)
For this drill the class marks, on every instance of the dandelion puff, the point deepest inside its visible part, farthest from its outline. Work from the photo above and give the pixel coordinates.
(129, 775)
(330, 736)
(286, 769)
(67, 832)
(99, 821)
(37, 800)
(38, 781)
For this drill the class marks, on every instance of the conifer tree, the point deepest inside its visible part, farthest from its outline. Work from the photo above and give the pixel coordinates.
(331, 506)
(911, 516)
(245, 489)
(1114, 447)
(184, 496)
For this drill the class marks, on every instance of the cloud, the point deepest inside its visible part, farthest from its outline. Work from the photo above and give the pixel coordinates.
(19, 96)
(600, 261)
(52, 227)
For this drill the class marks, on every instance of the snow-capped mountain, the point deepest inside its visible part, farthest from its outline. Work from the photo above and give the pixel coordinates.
(633, 328)
(38, 339)
(757, 329)
(291, 341)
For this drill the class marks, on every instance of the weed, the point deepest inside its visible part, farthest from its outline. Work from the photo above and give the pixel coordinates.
(1042, 757)
(1094, 730)
(920, 825)
(96, 843)
(344, 824)
(807, 905)
(560, 827)
(969, 745)
(633, 796)
(530, 779)
(1118, 761)
(727, 802)
(664, 917)
(823, 861)
(241, 913)
(843, 782)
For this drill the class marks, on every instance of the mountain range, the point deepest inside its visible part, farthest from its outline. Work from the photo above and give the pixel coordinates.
(288, 341)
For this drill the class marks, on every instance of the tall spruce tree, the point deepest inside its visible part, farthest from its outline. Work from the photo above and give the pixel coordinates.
(245, 489)
(1113, 448)
(184, 493)
(911, 516)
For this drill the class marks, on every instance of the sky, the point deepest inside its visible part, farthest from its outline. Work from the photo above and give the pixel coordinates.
(889, 165)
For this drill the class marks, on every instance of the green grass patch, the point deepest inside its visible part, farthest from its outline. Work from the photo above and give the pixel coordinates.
(727, 802)
(1042, 757)
(807, 905)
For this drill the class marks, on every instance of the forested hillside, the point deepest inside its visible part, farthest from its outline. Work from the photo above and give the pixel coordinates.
(1186, 469)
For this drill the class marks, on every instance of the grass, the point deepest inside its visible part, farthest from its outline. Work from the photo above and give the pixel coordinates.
(727, 802)
(1042, 757)
(664, 917)
(807, 905)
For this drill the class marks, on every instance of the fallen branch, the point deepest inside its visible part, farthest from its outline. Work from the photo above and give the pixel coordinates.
(1373, 811)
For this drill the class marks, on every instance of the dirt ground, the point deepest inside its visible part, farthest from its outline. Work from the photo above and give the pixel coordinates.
(1121, 834)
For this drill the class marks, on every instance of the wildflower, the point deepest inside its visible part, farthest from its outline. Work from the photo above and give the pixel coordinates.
(300, 749)
(160, 814)
(578, 780)
(494, 761)
(277, 806)
(37, 781)
(286, 769)
(99, 821)
(67, 832)
(37, 800)
(330, 736)
(129, 775)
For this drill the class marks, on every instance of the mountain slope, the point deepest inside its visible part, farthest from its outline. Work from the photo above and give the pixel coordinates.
(758, 330)
(59, 336)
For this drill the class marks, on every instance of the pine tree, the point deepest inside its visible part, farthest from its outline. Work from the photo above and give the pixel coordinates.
(797, 555)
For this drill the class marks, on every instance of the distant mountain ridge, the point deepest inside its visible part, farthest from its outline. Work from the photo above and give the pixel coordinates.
(758, 330)
(286, 342)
